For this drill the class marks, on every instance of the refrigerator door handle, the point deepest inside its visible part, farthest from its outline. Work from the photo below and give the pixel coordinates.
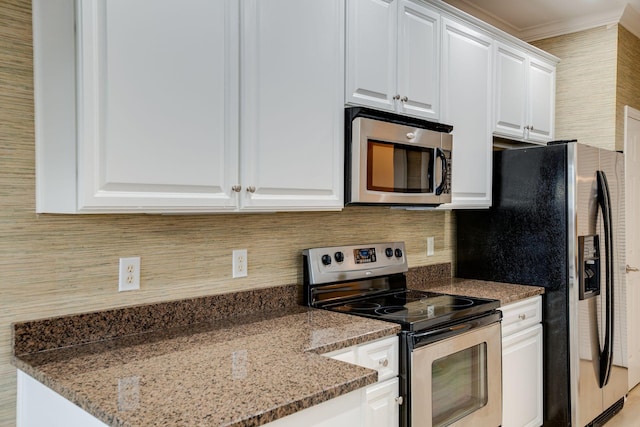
(604, 202)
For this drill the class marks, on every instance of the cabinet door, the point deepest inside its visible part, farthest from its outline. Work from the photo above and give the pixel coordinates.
(381, 408)
(38, 405)
(158, 102)
(372, 39)
(292, 119)
(342, 411)
(522, 378)
(542, 90)
(418, 60)
(466, 104)
(510, 91)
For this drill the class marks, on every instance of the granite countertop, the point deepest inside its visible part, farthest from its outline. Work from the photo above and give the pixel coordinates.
(506, 293)
(238, 371)
(238, 359)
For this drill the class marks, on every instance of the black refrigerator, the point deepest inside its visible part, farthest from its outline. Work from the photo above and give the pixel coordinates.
(557, 221)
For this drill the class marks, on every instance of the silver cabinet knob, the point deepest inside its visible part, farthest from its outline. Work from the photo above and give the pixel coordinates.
(396, 97)
(411, 135)
(236, 188)
(522, 316)
(384, 362)
(399, 400)
(251, 189)
(404, 99)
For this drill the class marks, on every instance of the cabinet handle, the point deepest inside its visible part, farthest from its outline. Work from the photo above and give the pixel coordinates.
(396, 97)
(629, 269)
(404, 99)
(236, 188)
(522, 316)
(251, 189)
(411, 135)
(384, 362)
(399, 400)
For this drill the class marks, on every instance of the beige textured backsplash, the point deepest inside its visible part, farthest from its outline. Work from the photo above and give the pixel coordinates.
(628, 81)
(53, 265)
(586, 85)
(596, 77)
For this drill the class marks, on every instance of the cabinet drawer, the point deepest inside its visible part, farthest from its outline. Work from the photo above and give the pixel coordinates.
(521, 315)
(347, 355)
(380, 355)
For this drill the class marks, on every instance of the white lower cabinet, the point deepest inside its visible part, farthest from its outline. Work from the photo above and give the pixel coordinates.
(380, 402)
(380, 406)
(39, 406)
(522, 363)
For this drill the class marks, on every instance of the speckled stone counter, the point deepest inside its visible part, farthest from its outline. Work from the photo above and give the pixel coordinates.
(437, 278)
(202, 368)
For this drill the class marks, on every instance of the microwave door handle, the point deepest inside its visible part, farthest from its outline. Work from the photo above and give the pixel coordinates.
(604, 202)
(440, 154)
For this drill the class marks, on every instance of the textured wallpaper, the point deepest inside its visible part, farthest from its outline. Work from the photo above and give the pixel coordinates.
(53, 265)
(585, 85)
(628, 81)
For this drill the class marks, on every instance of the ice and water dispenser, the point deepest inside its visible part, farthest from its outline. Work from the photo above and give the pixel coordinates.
(589, 266)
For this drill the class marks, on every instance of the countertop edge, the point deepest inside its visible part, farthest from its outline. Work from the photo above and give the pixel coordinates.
(357, 381)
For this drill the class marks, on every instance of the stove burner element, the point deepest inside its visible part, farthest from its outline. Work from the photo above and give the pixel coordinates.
(436, 299)
(401, 312)
(362, 305)
(460, 302)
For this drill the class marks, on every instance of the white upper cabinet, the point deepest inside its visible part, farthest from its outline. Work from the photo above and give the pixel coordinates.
(393, 56)
(542, 99)
(466, 104)
(418, 60)
(154, 122)
(525, 95)
(292, 117)
(165, 121)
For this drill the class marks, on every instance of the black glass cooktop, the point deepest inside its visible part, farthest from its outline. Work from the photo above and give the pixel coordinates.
(416, 310)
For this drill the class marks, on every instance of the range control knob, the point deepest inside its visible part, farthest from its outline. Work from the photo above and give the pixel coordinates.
(388, 252)
(326, 259)
(398, 253)
(339, 256)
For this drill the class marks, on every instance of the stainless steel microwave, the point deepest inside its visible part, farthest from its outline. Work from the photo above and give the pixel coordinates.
(396, 160)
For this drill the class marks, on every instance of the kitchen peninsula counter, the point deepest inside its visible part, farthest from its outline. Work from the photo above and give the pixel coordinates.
(194, 362)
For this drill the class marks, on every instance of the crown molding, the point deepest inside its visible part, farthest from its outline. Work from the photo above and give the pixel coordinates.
(627, 16)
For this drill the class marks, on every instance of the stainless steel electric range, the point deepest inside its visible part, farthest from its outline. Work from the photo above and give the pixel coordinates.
(450, 346)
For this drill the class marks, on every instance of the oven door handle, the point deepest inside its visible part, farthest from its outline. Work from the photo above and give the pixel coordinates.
(436, 332)
(423, 338)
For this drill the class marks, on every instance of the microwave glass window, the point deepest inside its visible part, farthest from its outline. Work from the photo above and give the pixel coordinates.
(399, 168)
(459, 385)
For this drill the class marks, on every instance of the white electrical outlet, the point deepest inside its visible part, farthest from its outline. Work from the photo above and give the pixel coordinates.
(240, 263)
(129, 274)
(430, 246)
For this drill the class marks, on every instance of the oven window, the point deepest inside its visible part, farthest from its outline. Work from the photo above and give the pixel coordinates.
(399, 168)
(459, 384)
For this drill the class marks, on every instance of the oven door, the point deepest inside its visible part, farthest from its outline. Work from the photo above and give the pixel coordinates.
(397, 164)
(457, 381)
